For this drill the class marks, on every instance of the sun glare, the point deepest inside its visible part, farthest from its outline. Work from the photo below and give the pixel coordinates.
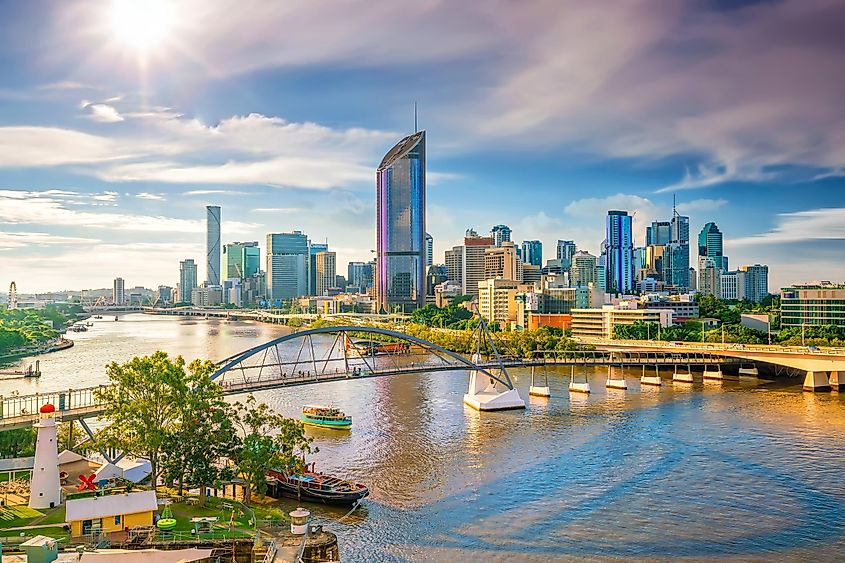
(142, 24)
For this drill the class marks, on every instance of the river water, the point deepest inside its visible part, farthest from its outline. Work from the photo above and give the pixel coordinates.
(747, 471)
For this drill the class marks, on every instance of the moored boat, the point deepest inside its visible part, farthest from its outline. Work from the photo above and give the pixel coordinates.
(315, 487)
(325, 417)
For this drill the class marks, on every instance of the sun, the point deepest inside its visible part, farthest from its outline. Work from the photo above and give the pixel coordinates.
(142, 24)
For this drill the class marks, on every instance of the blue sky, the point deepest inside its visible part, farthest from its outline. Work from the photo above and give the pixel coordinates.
(117, 128)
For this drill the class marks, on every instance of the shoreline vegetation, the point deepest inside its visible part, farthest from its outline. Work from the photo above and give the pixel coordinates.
(29, 332)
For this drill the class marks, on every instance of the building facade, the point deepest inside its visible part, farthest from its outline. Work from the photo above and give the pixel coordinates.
(400, 226)
(187, 279)
(756, 282)
(212, 244)
(287, 265)
(710, 246)
(500, 234)
(821, 303)
(502, 262)
(118, 292)
(429, 250)
(326, 271)
(599, 323)
(619, 269)
(532, 252)
(709, 276)
(360, 275)
(241, 260)
(583, 270)
(497, 300)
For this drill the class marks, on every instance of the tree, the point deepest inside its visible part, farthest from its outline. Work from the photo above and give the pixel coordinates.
(17, 443)
(143, 405)
(267, 440)
(202, 435)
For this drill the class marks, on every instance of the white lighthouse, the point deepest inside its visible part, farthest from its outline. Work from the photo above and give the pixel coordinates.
(45, 490)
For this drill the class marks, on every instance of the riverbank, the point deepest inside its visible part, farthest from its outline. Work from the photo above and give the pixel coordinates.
(52, 346)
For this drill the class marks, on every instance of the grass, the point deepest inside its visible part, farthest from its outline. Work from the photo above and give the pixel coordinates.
(57, 532)
(20, 515)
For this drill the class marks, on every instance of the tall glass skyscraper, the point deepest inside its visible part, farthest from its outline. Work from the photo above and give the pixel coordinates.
(710, 246)
(400, 226)
(287, 265)
(212, 244)
(532, 252)
(619, 271)
(500, 234)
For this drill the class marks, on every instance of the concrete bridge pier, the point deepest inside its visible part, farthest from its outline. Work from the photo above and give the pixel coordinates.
(713, 374)
(837, 381)
(575, 387)
(616, 383)
(818, 381)
(651, 379)
(539, 389)
(683, 377)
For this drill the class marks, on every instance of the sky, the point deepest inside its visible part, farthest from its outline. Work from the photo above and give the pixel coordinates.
(118, 125)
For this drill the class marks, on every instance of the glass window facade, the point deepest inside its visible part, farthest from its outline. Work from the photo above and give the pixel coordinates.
(400, 226)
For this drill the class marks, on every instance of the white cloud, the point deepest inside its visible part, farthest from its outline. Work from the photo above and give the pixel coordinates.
(276, 210)
(216, 192)
(814, 224)
(25, 239)
(104, 113)
(149, 196)
(22, 147)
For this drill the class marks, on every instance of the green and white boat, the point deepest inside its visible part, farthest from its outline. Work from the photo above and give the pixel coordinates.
(325, 417)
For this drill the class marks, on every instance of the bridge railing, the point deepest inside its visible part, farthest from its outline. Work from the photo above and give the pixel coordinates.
(29, 405)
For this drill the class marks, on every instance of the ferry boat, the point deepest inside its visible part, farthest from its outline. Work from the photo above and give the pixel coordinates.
(315, 487)
(325, 417)
(363, 348)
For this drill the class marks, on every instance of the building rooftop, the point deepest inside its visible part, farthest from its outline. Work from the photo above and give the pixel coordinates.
(110, 505)
(401, 148)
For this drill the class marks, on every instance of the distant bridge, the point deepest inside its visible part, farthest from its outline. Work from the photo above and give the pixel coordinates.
(353, 353)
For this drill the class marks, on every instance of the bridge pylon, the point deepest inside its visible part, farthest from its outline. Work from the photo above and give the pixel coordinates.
(486, 393)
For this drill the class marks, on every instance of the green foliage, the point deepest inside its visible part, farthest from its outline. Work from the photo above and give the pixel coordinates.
(450, 316)
(17, 443)
(266, 441)
(23, 328)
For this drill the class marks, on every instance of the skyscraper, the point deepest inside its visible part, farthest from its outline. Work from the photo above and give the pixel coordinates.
(565, 250)
(756, 281)
(429, 251)
(287, 265)
(532, 252)
(187, 279)
(502, 262)
(710, 246)
(359, 275)
(500, 234)
(313, 249)
(676, 255)
(465, 264)
(326, 271)
(400, 226)
(212, 244)
(118, 292)
(619, 271)
(241, 260)
(583, 270)
(659, 233)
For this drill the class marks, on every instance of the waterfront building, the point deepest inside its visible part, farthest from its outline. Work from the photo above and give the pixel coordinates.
(709, 276)
(326, 271)
(400, 226)
(207, 296)
(500, 234)
(502, 262)
(253, 289)
(583, 270)
(710, 246)
(360, 275)
(565, 251)
(819, 303)
(233, 292)
(466, 264)
(287, 265)
(599, 323)
(619, 270)
(497, 300)
(683, 305)
(118, 292)
(429, 250)
(241, 260)
(110, 513)
(212, 244)
(532, 252)
(187, 279)
(164, 295)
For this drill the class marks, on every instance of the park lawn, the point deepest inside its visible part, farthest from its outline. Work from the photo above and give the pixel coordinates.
(54, 516)
(19, 515)
(57, 532)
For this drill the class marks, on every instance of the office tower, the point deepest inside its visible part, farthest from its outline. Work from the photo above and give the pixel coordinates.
(565, 250)
(429, 250)
(676, 264)
(434, 276)
(241, 260)
(583, 270)
(400, 226)
(532, 252)
(755, 282)
(500, 234)
(287, 265)
(360, 275)
(326, 270)
(502, 262)
(465, 264)
(659, 233)
(709, 276)
(187, 279)
(313, 249)
(710, 245)
(118, 292)
(619, 270)
(212, 244)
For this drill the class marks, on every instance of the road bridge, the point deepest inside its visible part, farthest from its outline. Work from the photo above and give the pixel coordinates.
(824, 367)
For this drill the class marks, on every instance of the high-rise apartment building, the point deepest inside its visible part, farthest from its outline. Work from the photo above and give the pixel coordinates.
(502, 262)
(429, 251)
(619, 271)
(400, 226)
(709, 276)
(565, 251)
(532, 252)
(500, 234)
(187, 279)
(756, 281)
(212, 244)
(326, 270)
(710, 246)
(466, 264)
(583, 270)
(313, 249)
(287, 265)
(241, 260)
(118, 292)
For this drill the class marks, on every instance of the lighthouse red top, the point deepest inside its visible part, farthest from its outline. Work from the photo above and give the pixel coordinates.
(47, 408)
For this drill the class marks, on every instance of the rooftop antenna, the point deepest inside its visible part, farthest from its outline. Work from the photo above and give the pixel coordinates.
(415, 117)
(674, 205)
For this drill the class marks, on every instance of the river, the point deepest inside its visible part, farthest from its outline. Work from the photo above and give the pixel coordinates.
(744, 470)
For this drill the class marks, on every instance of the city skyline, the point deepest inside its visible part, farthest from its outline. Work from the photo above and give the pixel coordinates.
(114, 156)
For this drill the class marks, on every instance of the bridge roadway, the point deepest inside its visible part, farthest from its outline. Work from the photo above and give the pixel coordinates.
(267, 316)
(75, 404)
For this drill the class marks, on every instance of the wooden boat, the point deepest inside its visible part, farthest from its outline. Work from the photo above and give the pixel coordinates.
(315, 487)
(325, 417)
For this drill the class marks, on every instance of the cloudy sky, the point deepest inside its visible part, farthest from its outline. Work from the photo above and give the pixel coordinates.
(118, 125)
